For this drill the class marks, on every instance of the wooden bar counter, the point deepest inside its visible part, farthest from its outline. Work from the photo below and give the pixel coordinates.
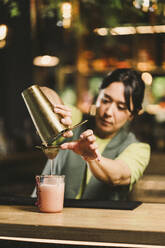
(142, 227)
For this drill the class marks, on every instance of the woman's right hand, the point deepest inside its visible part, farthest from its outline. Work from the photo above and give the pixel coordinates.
(66, 117)
(59, 108)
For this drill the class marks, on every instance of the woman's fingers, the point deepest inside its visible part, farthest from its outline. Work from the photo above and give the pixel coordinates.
(88, 136)
(62, 106)
(62, 110)
(68, 145)
(91, 139)
(66, 121)
(65, 112)
(68, 134)
(93, 146)
(87, 133)
(93, 152)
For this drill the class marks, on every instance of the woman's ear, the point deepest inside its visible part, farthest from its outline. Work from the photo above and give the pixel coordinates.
(140, 112)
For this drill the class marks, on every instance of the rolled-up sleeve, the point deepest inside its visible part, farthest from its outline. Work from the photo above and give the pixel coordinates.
(137, 157)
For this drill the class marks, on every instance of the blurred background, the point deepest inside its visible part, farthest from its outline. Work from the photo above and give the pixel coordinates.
(69, 46)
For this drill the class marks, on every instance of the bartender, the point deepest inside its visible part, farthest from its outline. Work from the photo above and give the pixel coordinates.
(102, 159)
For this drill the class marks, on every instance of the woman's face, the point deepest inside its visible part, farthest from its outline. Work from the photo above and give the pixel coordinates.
(112, 112)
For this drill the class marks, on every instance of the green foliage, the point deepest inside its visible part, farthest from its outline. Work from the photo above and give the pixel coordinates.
(158, 88)
(109, 13)
(49, 8)
(14, 10)
(104, 12)
(13, 7)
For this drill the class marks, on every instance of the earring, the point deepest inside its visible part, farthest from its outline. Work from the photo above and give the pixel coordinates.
(92, 110)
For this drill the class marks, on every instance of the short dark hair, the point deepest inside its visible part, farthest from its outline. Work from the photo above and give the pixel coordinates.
(133, 86)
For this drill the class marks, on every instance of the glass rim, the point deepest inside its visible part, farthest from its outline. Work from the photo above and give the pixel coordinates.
(51, 176)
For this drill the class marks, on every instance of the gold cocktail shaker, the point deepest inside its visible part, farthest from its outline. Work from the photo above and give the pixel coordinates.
(45, 120)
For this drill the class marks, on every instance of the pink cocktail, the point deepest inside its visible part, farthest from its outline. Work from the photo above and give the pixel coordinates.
(50, 190)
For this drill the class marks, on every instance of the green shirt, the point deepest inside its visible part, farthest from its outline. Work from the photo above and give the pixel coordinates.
(136, 155)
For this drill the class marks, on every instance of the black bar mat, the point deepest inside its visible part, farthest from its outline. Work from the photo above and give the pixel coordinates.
(121, 205)
(82, 203)
(17, 200)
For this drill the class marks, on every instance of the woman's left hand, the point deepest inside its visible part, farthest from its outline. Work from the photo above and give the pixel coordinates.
(85, 146)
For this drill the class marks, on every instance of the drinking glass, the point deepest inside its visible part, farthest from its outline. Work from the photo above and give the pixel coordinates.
(50, 193)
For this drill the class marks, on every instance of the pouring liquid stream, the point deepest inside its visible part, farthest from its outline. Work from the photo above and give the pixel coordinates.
(51, 167)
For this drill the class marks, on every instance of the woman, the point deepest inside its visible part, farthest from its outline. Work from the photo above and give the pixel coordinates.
(103, 159)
